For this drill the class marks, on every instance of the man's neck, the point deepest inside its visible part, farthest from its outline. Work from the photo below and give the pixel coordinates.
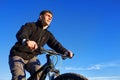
(45, 27)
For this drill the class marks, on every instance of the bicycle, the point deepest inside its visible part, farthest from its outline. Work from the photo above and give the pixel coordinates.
(49, 68)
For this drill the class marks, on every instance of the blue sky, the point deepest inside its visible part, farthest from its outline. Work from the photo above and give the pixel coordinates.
(89, 28)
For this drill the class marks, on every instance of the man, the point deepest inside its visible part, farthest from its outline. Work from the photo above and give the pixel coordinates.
(30, 38)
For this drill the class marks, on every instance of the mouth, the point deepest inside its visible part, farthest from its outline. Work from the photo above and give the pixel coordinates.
(49, 21)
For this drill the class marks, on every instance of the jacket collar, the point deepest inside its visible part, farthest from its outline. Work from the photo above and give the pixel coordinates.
(39, 24)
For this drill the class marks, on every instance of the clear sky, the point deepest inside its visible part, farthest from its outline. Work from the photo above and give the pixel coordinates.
(89, 28)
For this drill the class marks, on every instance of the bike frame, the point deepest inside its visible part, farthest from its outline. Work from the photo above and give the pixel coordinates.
(47, 68)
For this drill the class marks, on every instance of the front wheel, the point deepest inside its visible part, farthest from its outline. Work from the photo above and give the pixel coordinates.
(70, 76)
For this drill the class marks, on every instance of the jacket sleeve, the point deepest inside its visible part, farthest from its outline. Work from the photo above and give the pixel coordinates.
(54, 44)
(24, 32)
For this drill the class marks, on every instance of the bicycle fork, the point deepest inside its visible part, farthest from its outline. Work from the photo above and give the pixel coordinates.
(52, 74)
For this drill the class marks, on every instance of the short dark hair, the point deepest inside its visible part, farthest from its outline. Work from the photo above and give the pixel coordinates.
(45, 11)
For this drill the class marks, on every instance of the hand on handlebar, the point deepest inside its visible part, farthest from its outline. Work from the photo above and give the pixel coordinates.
(68, 54)
(32, 45)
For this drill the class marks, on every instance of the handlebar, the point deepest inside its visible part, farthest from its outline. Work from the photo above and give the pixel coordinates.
(53, 52)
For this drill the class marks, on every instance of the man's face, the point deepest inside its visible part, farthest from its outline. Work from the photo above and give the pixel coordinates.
(46, 19)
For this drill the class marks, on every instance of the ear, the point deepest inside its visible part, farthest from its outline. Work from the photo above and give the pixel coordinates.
(41, 17)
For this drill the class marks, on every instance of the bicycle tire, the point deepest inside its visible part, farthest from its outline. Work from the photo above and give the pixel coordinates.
(70, 76)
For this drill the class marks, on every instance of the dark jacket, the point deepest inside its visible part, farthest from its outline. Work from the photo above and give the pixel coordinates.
(34, 31)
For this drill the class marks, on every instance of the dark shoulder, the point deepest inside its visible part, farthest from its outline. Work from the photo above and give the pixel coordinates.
(50, 34)
(32, 24)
